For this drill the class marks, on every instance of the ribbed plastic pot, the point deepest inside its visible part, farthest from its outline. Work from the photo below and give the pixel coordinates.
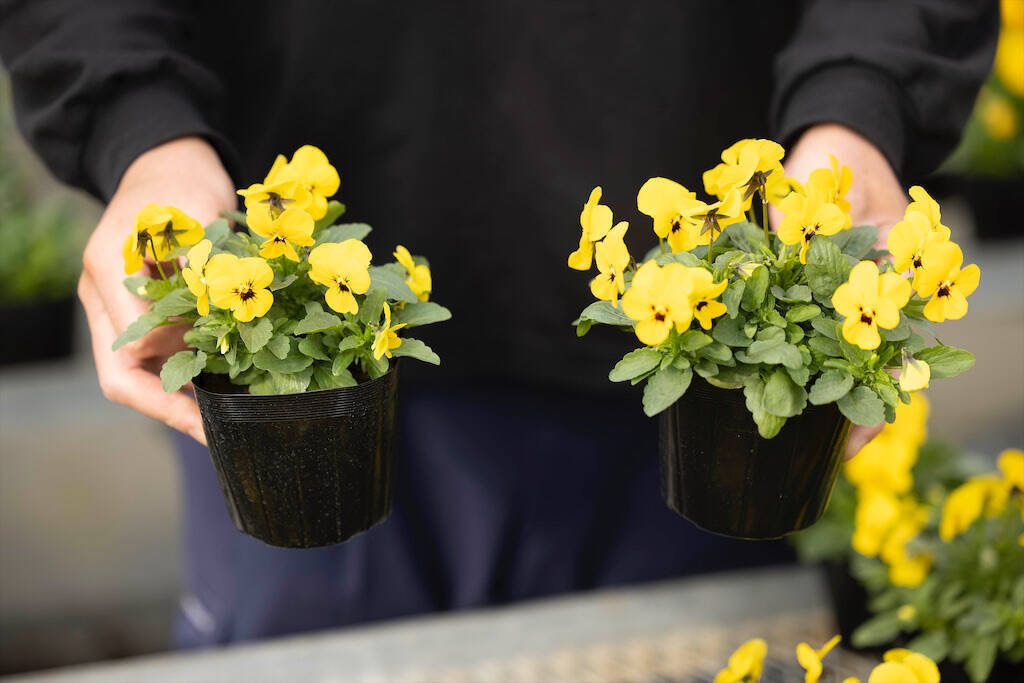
(719, 473)
(303, 470)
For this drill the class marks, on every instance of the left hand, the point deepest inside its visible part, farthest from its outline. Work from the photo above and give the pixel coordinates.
(876, 198)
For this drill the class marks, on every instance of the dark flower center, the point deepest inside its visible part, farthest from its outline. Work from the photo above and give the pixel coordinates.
(659, 316)
(700, 305)
(246, 294)
(342, 287)
(276, 203)
(865, 318)
(944, 289)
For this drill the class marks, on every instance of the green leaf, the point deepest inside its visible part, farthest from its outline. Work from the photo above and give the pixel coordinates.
(794, 333)
(345, 231)
(414, 348)
(350, 342)
(218, 231)
(606, 314)
(420, 313)
(945, 361)
(255, 335)
(932, 644)
(294, 362)
(316, 320)
(782, 397)
(826, 326)
(775, 319)
(180, 369)
(717, 351)
(771, 334)
(392, 283)
(756, 288)
(768, 425)
(664, 388)
(862, 406)
(802, 312)
(732, 297)
(279, 345)
(826, 346)
(826, 268)
(328, 380)
(853, 353)
(341, 363)
(831, 386)
(178, 302)
(635, 363)
(138, 329)
(774, 352)
(729, 331)
(334, 210)
(373, 304)
(706, 368)
(745, 236)
(236, 216)
(291, 382)
(281, 283)
(693, 340)
(879, 630)
(981, 658)
(857, 241)
(312, 347)
(796, 293)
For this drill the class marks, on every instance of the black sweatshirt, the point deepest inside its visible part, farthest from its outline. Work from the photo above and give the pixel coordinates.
(472, 132)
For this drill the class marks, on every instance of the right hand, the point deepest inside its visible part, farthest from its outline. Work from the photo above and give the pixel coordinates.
(188, 174)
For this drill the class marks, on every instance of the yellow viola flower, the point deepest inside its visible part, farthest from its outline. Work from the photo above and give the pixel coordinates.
(386, 338)
(986, 494)
(906, 569)
(344, 269)
(910, 237)
(911, 423)
(869, 301)
(669, 204)
(910, 572)
(240, 285)
(157, 231)
(927, 207)
(293, 228)
(195, 274)
(1011, 464)
(906, 613)
(708, 220)
(810, 659)
(915, 374)
(595, 221)
(807, 215)
(1009, 66)
(745, 664)
(266, 201)
(877, 512)
(703, 294)
(419, 279)
(612, 260)
(921, 667)
(746, 167)
(942, 277)
(1000, 118)
(310, 168)
(137, 247)
(832, 183)
(778, 186)
(657, 299)
(883, 464)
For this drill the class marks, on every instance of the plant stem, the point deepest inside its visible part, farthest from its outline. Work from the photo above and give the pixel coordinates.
(764, 219)
(661, 243)
(152, 248)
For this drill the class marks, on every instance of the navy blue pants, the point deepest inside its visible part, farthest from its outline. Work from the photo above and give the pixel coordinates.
(500, 496)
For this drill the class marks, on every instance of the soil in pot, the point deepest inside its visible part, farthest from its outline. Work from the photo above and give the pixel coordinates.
(719, 473)
(303, 470)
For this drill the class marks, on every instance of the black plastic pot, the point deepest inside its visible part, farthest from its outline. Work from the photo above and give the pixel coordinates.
(849, 600)
(48, 326)
(721, 475)
(303, 470)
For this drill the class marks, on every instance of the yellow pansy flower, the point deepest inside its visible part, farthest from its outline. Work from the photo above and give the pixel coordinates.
(915, 374)
(670, 204)
(195, 274)
(310, 168)
(883, 464)
(911, 423)
(419, 280)
(746, 166)
(344, 269)
(942, 277)
(910, 237)
(612, 259)
(869, 301)
(778, 186)
(266, 201)
(703, 293)
(927, 207)
(1011, 464)
(877, 512)
(386, 338)
(657, 299)
(1009, 66)
(999, 116)
(911, 571)
(906, 569)
(157, 231)
(745, 664)
(240, 285)
(807, 215)
(832, 183)
(708, 220)
(293, 228)
(986, 494)
(921, 667)
(810, 659)
(595, 221)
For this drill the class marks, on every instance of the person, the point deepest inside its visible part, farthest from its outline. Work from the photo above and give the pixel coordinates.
(471, 132)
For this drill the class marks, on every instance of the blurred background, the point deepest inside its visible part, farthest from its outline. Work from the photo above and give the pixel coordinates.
(89, 506)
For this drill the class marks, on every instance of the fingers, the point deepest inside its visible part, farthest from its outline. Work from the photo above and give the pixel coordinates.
(859, 437)
(125, 380)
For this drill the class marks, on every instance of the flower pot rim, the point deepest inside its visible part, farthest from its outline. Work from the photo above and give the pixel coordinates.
(316, 392)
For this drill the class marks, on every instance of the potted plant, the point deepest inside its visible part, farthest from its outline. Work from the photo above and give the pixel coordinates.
(294, 339)
(760, 349)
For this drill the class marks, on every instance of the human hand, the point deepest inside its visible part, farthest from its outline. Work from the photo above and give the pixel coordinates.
(876, 198)
(188, 174)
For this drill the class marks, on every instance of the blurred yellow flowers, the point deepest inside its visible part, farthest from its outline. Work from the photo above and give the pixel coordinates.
(418, 279)
(745, 664)
(869, 301)
(810, 659)
(612, 259)
(596, 221)
(344, 269)
(941, 276)
(293, 228)
(386, 338)
(986, 494)
(195, 274)
(240, 285)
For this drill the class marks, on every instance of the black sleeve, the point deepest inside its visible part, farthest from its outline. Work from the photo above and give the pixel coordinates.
(96, 83)
(902, 73)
